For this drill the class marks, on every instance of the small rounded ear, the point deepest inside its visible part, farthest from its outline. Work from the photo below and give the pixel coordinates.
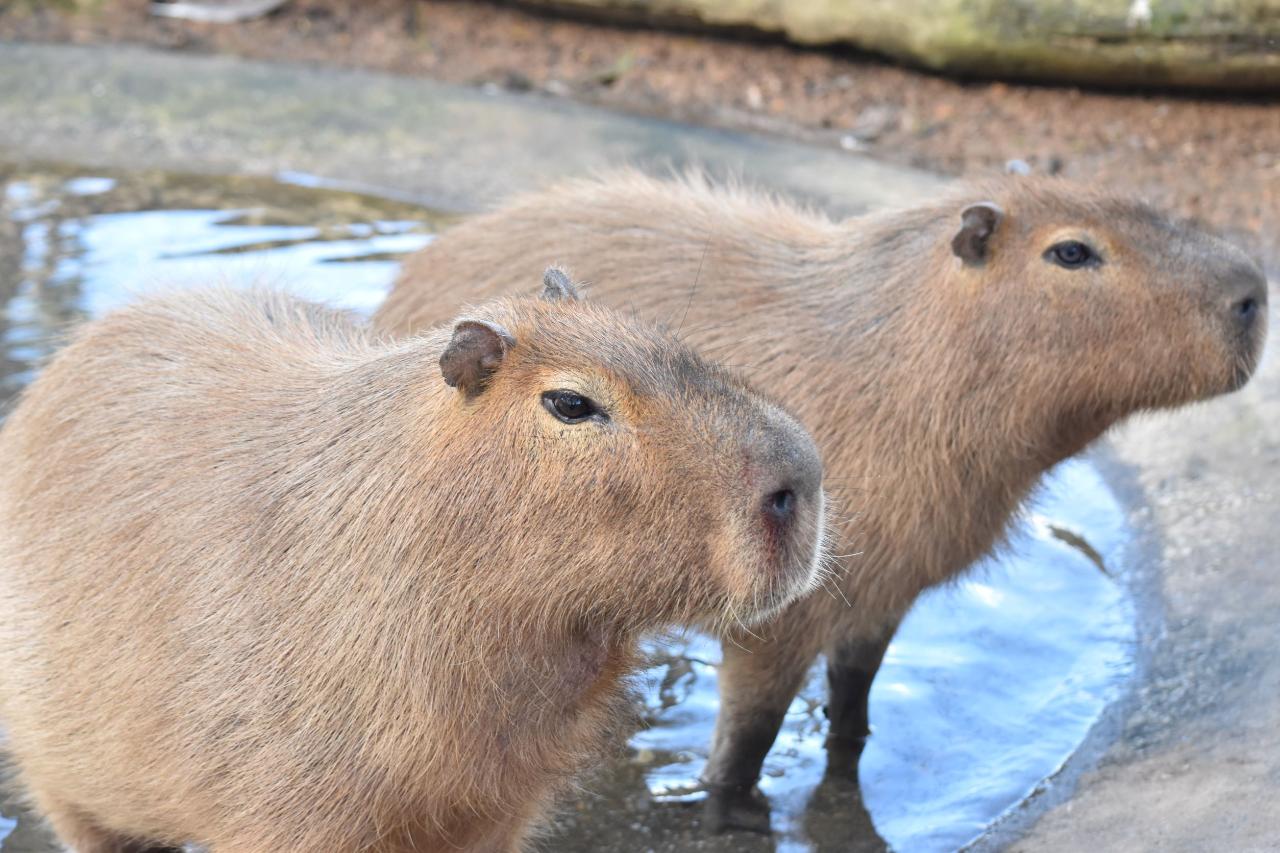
(474, 352)
(977, 223)
(556, 285)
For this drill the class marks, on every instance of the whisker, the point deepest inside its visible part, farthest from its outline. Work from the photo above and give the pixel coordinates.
(693, 291)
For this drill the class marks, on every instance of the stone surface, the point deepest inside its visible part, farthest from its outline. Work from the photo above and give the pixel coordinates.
(1197, 765)
(444, 146)
(1218, 44)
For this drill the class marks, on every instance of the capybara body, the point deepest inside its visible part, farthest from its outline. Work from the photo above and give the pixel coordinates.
(945, 356)
(271, 584)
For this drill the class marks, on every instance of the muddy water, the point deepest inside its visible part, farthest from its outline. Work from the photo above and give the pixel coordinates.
(988, 688)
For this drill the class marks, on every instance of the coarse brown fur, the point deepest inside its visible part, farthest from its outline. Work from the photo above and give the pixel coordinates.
(941, 376)
(270, 584)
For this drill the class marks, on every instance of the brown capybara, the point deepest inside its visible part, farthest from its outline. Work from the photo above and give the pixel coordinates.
(272, 584)
(945, 356)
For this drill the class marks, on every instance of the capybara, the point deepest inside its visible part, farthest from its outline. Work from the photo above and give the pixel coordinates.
(271, 583)
(945, 356)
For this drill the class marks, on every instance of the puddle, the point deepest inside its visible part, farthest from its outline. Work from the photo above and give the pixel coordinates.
(74, 245)
(988, 688)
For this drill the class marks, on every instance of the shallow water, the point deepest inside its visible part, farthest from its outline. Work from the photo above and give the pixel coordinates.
(988, 688)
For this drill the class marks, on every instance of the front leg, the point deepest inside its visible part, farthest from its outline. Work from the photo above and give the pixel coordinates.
(851, 667)
(759, 677)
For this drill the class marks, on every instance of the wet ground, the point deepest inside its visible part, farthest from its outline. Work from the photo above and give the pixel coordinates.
(988, 689)
(1214, 159)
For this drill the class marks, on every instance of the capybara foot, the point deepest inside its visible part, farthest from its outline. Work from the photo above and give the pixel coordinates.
(735, 809)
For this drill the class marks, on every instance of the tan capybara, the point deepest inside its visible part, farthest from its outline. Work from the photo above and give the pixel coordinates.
(272, 584)
(945, 356)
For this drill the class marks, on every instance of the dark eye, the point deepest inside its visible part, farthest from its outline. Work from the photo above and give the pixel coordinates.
(570, 407)
(1071, 254)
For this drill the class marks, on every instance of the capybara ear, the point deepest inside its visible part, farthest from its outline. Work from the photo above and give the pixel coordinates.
(474, 353)
(977, 223)
(556, 286)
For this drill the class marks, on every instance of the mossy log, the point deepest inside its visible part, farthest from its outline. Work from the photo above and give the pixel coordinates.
(1195, 44)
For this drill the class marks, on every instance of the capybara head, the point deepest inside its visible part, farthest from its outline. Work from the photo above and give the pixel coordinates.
(630, 455)
(1135, 310)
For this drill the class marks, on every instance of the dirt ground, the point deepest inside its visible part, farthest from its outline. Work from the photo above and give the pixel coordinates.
(1214, 160)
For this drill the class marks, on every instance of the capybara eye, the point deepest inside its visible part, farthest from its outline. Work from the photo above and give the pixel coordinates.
(1071, 254)
(570, 407)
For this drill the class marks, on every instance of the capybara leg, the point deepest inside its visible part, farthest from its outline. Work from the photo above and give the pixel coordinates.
(851, 667)
(757, 684)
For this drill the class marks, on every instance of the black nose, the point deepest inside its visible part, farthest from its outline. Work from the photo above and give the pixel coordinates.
(780, 505)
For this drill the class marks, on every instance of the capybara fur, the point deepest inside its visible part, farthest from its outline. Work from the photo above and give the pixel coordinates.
(945, 356)
(272, 583)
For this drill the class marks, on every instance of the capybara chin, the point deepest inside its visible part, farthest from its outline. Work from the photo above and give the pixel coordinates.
(273, 584)
(945, 356)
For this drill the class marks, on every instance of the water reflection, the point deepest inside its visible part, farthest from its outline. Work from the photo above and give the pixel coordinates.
(74, 245)
(987, 689)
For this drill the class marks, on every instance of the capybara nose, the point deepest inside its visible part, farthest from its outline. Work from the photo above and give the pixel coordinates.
(781, 505)
(794, 477)
(1247, 300)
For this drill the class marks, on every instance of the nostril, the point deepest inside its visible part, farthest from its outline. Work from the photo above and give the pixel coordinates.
(780, 504)
(1246, 309)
